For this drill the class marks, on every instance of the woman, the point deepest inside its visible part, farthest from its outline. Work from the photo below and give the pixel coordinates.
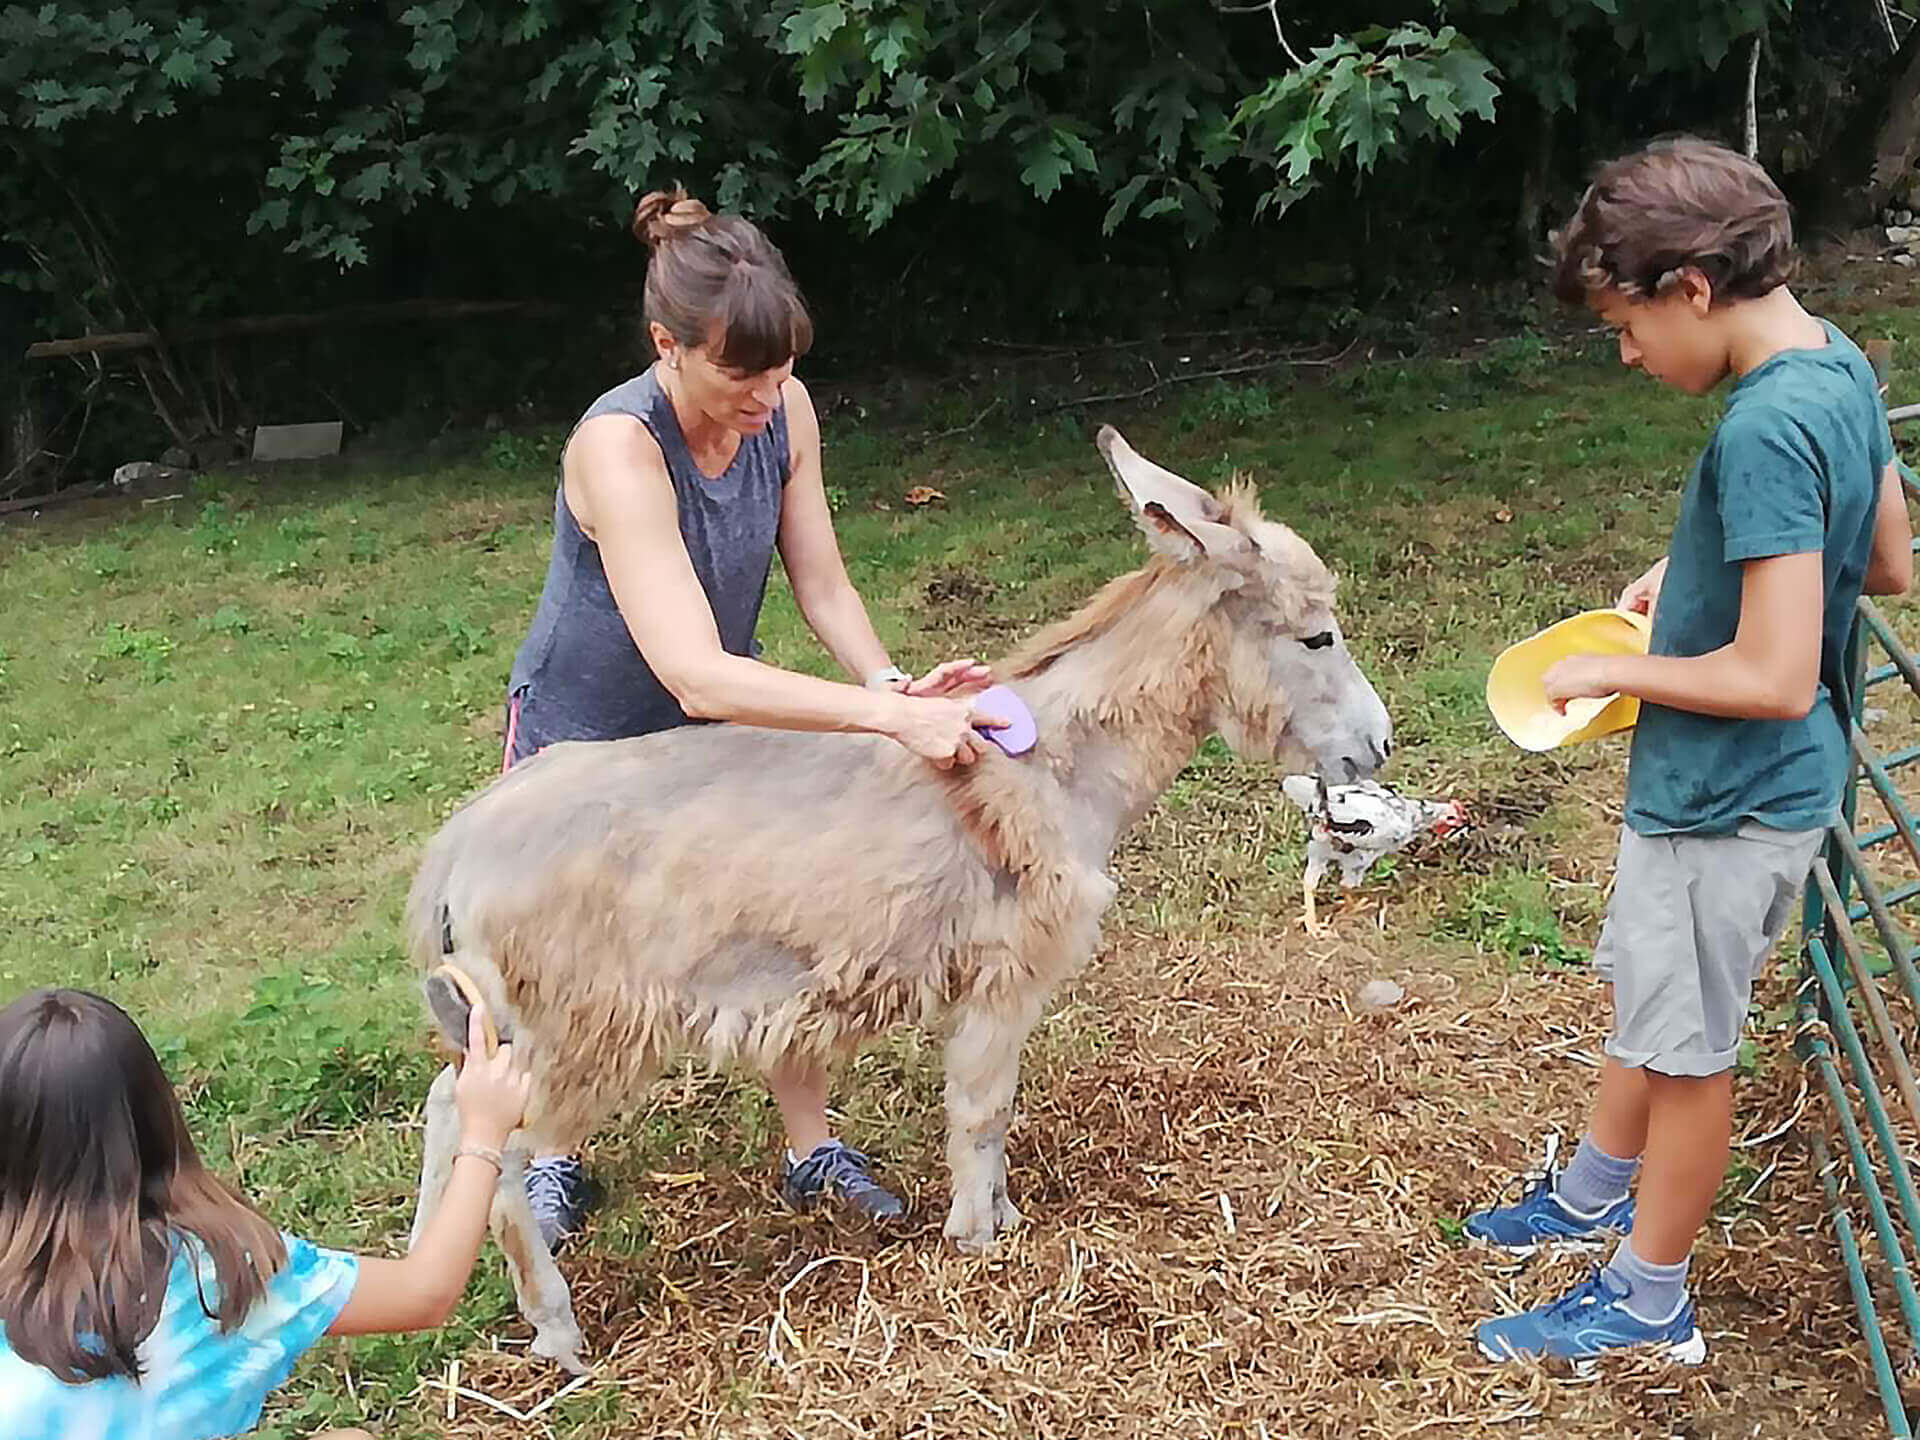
(676, 488)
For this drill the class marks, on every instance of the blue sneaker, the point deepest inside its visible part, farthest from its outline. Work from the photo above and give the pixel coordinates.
(1587, 1322)
(836, 1169)
(1540, 1217)
(560, 1194)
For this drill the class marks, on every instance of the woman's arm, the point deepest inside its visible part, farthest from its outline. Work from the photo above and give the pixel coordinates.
(617, 486)
(811, 552)
(420, 1292)
(1890, 566)
(1770, 671)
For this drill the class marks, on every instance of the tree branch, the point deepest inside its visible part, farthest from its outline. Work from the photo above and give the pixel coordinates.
(1272, 7)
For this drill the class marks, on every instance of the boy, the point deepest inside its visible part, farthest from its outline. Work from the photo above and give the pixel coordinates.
(1741, 750)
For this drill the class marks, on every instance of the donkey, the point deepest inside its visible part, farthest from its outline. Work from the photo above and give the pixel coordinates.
(756, 894)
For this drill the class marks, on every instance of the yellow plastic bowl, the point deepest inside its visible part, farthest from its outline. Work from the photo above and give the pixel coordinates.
(1517, 694)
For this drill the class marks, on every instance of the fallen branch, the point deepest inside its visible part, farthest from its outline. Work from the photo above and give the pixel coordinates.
(284, 324)
(1221, 374)
(992, 406)
(52, 497)
(1169, 337)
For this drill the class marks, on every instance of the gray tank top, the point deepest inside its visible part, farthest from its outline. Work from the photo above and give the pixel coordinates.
(578, 675)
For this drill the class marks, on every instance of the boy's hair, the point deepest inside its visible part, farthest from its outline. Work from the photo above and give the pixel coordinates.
(99, 1181)
(1677, 204)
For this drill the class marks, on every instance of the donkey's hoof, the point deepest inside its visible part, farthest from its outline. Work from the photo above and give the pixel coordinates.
(563, 1348)
(973, 1229)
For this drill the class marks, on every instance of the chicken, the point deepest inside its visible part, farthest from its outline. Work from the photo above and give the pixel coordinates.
(1354, 825)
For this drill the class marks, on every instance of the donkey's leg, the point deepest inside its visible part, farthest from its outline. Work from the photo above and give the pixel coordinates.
(983, 1069)
(436, 1161)
(541, 1289)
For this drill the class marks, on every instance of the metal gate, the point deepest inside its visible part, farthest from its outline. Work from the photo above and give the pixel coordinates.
(1860, 995)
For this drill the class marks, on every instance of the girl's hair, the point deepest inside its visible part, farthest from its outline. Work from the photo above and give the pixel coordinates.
(99, 1181)
(719, 272)
(1678, 204)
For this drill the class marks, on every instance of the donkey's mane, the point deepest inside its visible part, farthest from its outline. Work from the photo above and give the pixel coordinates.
(1112, 603)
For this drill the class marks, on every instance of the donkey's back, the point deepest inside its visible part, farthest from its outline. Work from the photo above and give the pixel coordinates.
(738, 890)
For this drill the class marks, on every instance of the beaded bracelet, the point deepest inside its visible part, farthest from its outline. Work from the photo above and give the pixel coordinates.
(483, 1152)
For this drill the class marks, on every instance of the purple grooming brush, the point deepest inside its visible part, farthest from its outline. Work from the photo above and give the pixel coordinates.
(1020, 732)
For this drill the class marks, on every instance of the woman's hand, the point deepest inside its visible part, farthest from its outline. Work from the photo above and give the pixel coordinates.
(1642, 595)
(492, 1090)
(942, 730)
(1578, 677)
(955, 678)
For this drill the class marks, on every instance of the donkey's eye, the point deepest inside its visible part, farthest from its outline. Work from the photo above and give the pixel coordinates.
(1320, 641)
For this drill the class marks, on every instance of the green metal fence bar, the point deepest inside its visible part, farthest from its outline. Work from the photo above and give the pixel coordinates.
(1876, 768)
(1828, 998)
(1899, 949)
(1869, 993)
(1839, 1017)
(1857, 1281)
(1897, 896)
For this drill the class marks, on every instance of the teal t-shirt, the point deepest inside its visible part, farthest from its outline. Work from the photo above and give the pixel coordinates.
(1794, 466)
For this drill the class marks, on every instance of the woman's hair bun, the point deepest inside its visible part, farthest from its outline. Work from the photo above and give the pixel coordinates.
(663, 214)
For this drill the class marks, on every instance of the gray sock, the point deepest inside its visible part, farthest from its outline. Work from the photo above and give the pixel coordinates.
(1593, 1179)
(1654, 1292)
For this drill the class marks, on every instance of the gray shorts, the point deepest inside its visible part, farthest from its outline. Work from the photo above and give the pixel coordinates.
(1692, 920)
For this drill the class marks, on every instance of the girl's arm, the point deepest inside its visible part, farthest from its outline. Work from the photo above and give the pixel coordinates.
(420, 1292)
(1771, 670)
(617, 486)
(1890, 566)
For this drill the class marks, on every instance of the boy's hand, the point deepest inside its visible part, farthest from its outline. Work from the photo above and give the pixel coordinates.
(1642, 595)
(492, 1090)
(1578, 677)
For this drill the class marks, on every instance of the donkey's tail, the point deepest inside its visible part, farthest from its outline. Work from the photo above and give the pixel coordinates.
(457, 975)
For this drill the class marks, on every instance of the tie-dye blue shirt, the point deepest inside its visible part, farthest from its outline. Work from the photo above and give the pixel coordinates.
(196, 1382)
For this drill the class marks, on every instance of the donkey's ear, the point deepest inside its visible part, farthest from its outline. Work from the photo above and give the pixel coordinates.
(1189, 539)
(1178, 518)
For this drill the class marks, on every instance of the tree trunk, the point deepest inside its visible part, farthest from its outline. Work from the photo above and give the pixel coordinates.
(1534, 180)
(1753, 99)
(22, 402)
(1897, 144)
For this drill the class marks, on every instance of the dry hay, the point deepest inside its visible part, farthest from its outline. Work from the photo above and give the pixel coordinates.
(1233, 1196)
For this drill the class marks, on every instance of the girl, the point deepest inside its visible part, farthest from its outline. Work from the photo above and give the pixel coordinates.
(676, 488)
(141, 1298)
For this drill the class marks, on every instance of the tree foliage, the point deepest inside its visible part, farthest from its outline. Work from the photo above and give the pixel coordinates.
(161, 159)
(350, 114)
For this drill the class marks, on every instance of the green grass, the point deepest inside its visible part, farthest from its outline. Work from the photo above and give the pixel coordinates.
(228, 722)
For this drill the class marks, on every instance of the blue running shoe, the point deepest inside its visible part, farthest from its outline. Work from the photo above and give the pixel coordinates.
(560, 1194)
(836, 1169)
(1587, 1322)
(1540, 1217)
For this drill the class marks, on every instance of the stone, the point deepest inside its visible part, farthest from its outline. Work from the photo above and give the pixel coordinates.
(1900, 234)
(141, 472)
(1382, 994)
(178, 456)
(1903, 217)
(297, 442)
(1903, 258)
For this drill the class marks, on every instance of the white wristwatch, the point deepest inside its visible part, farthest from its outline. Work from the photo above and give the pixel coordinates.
(888, 678)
